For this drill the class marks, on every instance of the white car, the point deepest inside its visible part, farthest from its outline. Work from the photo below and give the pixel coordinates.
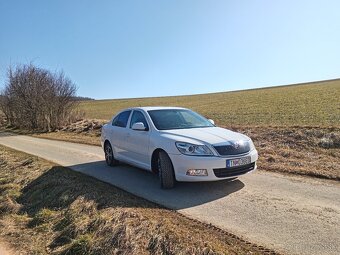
(178, 144)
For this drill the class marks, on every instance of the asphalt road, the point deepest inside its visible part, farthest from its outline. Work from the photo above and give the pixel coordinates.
(293, 215)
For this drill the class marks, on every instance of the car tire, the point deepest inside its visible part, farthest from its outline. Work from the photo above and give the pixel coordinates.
(166, 171)
(109, 157)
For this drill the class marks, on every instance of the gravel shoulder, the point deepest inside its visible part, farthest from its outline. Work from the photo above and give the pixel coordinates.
(4, 249)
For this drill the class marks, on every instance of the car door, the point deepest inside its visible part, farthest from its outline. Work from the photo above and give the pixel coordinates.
(119, 132)
(137, 142)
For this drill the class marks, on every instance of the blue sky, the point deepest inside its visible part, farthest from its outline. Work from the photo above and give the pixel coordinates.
(118, 49)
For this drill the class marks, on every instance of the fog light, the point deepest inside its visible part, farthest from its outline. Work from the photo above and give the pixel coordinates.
(197, 172)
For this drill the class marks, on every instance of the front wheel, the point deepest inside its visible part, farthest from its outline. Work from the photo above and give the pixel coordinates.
(166, 171)
(109, 158)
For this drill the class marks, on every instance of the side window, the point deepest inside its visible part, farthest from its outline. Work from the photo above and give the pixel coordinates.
(114, 122)
(137, 116)
(122, 119)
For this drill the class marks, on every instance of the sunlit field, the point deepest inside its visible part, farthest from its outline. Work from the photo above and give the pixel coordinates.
(310, 104)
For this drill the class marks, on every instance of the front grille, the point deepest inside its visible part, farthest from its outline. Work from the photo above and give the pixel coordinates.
(233, 171)
(233, 148)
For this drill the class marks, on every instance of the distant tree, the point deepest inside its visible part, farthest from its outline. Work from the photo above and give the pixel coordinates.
(78, 98)
(37, 99)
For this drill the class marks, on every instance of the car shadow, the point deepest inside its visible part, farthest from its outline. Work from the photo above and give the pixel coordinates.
(146, 185)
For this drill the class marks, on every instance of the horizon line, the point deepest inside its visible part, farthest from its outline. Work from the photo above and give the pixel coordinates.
(218, 92)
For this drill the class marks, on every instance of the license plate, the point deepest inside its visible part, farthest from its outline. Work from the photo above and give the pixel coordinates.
(238, 162)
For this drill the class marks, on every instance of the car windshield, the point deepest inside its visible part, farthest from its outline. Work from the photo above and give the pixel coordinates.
(166, 119)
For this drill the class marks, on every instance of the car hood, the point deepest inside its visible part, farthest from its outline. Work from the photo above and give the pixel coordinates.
(209, 135)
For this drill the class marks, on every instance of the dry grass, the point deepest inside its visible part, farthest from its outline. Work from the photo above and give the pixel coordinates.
(305, 151)
(48, 209)
(83, 131)
(313, 104)
(88, 138)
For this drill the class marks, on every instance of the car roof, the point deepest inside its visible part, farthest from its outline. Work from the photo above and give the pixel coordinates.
(149, 108)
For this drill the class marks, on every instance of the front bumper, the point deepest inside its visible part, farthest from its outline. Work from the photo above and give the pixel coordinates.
(182, 163)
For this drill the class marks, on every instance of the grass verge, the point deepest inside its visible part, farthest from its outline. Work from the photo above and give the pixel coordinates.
(49, 209)
(310, 151)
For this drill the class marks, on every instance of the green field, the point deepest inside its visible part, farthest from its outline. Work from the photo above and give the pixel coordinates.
(309, 104)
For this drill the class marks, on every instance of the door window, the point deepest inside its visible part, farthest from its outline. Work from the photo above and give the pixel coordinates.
(138, 116)
(122, 119)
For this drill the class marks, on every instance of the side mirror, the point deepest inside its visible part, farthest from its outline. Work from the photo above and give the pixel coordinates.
(211, 121)
(139, 126)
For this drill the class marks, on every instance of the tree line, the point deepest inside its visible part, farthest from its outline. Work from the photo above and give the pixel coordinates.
(37, 99)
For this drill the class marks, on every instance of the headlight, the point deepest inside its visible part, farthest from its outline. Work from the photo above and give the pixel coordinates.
(251, 145)
(193, 150)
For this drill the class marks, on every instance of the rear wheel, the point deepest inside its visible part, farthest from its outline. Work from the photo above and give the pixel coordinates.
(109, 158)
(166, 171)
